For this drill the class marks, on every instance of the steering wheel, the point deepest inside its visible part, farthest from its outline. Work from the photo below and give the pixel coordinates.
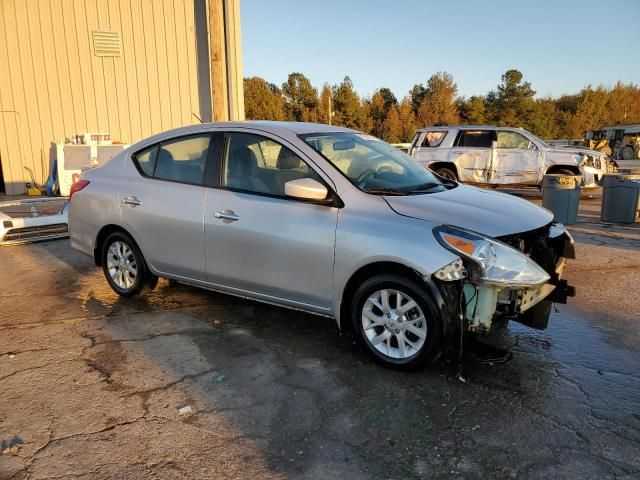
(364, 177)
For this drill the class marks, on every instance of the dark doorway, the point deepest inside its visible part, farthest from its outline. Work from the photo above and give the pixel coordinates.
(2, 188)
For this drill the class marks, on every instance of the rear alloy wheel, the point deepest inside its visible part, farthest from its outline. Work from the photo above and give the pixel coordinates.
(447, 173)
(397, 321)
(124, 267)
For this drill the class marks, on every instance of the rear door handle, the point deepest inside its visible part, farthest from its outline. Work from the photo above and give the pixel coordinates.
(227, 215)
(131, 201)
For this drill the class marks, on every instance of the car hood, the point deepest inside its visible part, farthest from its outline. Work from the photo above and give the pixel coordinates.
(490, 213)
(576, 151)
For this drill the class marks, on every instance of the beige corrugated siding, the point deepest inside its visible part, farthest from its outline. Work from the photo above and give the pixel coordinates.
(52, 85)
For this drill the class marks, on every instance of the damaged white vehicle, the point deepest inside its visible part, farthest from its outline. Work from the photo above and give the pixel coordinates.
(326, 220)
(502, 156)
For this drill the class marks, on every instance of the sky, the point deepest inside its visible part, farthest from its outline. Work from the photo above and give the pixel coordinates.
(560, 46)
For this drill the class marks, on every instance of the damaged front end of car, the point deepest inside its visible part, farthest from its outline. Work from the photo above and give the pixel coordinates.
(514, 277)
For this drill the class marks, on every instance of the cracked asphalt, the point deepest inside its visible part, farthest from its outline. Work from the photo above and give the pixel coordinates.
(191, 384)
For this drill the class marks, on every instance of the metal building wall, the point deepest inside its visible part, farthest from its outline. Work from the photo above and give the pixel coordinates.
(52, 85)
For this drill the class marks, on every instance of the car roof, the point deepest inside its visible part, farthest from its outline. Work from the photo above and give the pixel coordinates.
(283, 129)
(466, 127)
(296, 127)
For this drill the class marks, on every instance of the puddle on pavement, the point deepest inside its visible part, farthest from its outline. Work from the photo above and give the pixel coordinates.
(99, 300)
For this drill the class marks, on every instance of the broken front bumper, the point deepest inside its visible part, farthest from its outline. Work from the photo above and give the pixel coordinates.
(485, 305)
(33, 219)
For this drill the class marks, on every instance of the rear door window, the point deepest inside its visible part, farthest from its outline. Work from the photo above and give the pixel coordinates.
(475, 138)
(183, 159)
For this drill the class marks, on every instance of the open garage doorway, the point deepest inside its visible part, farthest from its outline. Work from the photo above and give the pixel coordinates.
(3, 190)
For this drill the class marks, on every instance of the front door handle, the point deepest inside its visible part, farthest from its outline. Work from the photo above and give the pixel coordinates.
(227, 215)
(131, 201)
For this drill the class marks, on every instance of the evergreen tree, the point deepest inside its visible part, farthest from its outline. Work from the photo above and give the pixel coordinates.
(262, 100)
(513, 101)
(324, 105)
(301, 98)
(472, 110)
(591, 112)
(348, 110)
(439, 104)
(392, 130)
(407, 119)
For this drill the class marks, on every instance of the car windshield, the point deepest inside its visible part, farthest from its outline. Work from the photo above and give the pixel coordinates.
(544, 144)
(375, 166)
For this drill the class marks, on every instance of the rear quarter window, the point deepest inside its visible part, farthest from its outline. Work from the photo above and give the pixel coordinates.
(145, 160)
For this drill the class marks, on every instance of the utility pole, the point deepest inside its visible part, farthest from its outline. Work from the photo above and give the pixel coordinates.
(225, 60)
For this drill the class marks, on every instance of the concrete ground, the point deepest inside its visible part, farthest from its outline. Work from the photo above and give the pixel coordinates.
(191, 384)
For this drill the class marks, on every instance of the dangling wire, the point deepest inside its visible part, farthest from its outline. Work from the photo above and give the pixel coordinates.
(461, 317)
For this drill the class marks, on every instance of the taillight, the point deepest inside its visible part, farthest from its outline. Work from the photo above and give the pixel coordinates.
(77, 186)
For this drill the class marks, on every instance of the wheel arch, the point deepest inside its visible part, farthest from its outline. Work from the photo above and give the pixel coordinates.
(442, 164)
(102, 236)
(556, 168)
(386, 267)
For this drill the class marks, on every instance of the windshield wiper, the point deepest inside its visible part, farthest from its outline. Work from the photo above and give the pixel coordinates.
(424, 187)
(383, 191)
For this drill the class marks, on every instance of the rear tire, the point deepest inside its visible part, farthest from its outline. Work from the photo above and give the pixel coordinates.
(124, 266)
(447, 173)
(402, 331)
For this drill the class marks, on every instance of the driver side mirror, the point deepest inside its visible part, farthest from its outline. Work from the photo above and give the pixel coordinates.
(306, 189)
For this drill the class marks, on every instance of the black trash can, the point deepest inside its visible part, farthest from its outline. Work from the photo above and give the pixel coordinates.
(620, 198)
(561, 195)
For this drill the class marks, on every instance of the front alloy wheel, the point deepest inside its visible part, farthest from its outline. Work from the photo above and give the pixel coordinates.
(394, 324)
(397, 320)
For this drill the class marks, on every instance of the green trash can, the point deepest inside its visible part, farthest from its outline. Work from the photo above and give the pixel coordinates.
(561, 195)
(620, 198)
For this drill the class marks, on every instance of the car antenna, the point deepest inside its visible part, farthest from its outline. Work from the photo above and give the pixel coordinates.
(199, 119)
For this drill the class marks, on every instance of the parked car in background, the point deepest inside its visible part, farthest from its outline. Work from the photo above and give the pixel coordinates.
(326, 220)
(501, 156)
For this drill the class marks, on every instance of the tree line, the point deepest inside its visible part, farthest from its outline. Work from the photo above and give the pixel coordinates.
(437, 102)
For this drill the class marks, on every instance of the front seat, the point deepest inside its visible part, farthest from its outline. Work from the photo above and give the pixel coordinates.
(242, 171)
(287, 168)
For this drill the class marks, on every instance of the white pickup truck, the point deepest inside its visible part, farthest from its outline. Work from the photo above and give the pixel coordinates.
(502, 156)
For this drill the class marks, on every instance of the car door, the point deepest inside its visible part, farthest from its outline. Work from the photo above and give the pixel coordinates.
(515, 160)
(427, 148)
(259, 241)
(471, 152)
(162, 202)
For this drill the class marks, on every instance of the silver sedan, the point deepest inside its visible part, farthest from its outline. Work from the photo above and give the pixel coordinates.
(322, 219)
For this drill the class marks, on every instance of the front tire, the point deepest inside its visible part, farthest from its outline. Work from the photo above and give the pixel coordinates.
(564, 171)
(124, 266)
(447, 173)
(397, 321)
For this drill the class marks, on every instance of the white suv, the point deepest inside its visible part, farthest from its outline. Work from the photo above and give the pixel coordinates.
(501, 155)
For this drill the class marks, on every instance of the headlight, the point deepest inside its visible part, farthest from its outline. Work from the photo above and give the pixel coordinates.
(491, 260)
